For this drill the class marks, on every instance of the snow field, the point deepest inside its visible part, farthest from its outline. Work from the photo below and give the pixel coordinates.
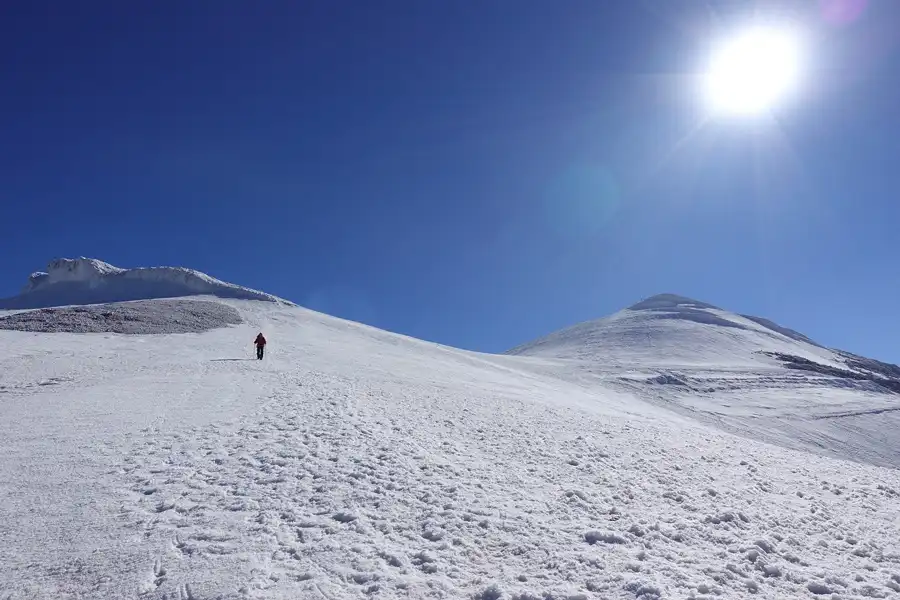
(375, 495)
(353, 463)
(143, 317)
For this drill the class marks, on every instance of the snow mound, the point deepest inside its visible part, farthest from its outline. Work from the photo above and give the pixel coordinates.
(90, 281)
(143, 317)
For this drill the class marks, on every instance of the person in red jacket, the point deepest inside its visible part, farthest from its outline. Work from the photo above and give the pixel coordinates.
(260, 346)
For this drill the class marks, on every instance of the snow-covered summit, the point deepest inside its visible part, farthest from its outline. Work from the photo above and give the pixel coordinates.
(680, 304)
(67, 269)
(90, 281)
(674, 330)
(742, 373)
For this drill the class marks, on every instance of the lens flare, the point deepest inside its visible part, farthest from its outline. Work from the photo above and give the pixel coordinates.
(841, 12)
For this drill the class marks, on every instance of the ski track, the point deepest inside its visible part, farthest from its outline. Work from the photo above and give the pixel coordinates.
(407, 470)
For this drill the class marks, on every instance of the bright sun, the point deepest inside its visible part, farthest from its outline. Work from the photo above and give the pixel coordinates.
(751, 72)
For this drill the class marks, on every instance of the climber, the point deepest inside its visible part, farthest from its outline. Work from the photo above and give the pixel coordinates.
(260, 346)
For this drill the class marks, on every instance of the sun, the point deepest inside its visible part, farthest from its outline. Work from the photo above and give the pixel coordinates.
(752, 71)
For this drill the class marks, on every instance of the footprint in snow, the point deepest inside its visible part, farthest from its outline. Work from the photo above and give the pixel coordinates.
(594, 537)
(159, 573)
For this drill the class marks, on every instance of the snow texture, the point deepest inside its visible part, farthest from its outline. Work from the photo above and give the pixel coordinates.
(90, 281)
(142, 317)
(355, 463)
(743, 374)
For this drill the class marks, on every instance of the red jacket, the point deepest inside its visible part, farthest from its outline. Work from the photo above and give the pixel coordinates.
(260, 340)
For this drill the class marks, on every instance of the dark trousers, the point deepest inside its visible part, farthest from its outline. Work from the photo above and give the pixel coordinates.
(260, 350)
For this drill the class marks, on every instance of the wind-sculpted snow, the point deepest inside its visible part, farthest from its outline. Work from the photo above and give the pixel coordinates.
(147, 317)
(89, 281)
(881, 374)
(869, 365)
(354, 463)
(794, 335)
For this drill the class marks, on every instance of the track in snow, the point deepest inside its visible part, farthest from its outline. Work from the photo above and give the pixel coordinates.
(350, 491)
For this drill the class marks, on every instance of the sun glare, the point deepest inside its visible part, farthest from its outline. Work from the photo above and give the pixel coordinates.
(752, 71)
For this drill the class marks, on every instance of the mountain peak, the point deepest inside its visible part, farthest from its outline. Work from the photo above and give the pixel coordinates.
(674, 330)
(70, 269)
(668, 302)
(77, 281)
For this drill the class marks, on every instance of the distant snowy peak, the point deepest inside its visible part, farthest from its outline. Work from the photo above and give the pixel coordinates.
(674, 330)
(672, 302)
(67, 269)
(680, 304)
(90, 281)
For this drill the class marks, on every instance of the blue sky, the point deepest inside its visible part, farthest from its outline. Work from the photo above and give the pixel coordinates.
(474, 173)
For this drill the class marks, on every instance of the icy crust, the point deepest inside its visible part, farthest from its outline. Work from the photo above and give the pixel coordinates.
(143, 317)
(91, 281)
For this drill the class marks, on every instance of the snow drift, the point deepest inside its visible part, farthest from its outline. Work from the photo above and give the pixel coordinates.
(90, 281)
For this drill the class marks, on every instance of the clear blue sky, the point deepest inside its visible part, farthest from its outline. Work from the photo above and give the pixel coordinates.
(476, 173)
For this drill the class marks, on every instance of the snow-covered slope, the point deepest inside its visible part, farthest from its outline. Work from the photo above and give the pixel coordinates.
(742, 373)
(355, 463)
(91, 281)
(143, 317)
(677, 331)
